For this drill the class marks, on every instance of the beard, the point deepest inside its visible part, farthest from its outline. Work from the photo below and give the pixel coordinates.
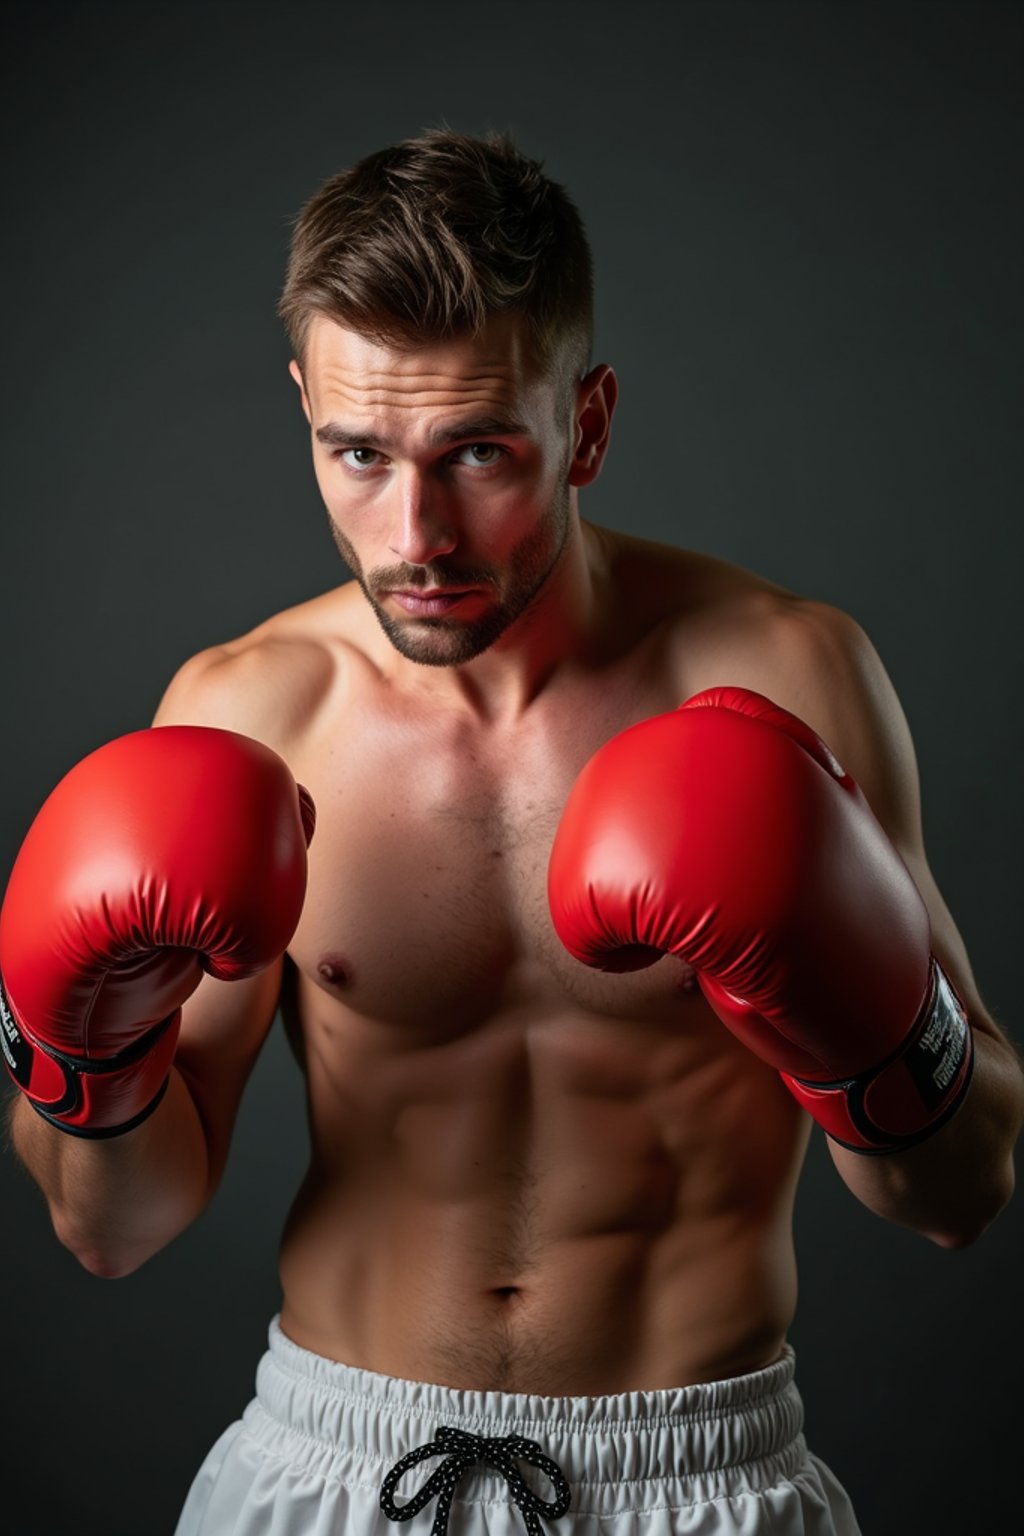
(444, 642)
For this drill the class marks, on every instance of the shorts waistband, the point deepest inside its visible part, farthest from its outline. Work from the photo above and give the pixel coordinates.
(366, 1422)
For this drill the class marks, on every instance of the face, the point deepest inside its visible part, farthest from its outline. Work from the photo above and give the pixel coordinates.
(445, 471)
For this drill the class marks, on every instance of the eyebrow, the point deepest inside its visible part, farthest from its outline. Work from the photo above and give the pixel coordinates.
(337, 436)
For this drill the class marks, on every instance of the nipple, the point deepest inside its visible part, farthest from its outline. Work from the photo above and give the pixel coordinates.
(334, 972)
(687, 979)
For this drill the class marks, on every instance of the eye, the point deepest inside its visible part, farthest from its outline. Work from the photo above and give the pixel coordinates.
(357, 458)
(480, 455)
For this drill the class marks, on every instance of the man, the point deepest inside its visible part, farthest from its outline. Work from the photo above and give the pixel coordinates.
(545, 1235)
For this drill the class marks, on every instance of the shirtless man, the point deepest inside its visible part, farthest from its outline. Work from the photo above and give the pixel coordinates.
(545, 1198)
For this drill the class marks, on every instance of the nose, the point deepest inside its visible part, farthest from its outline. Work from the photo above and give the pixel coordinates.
(425, 528)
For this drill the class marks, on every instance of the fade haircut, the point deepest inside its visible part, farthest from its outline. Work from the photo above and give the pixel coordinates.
(428, 239)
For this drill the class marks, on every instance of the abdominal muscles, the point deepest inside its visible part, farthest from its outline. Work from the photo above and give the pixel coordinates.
(557, 1199)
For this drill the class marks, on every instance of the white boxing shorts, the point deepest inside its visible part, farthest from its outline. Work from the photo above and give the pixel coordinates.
(325, 1450)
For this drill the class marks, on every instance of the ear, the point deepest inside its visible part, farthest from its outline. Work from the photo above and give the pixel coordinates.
(596, 397)
(296, 373)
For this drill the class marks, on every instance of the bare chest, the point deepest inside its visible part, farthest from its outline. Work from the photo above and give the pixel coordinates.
(427, 903)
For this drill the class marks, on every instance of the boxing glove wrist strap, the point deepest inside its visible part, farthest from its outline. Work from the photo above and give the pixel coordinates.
(102, 1132)
(909, 1096)
(68, 1090)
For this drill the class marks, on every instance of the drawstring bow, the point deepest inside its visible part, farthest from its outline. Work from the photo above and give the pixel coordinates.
(462, 1450)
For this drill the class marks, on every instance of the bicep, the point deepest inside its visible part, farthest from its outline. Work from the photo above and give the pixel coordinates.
(850, 701)
(224, 1023)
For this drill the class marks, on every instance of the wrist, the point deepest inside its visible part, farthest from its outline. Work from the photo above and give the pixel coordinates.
(911, 1094)
(93, 1097)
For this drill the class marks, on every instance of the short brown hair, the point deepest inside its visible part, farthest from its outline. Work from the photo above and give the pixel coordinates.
(431, 237)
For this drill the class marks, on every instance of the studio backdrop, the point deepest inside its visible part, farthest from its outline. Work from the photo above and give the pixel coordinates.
(806, 223)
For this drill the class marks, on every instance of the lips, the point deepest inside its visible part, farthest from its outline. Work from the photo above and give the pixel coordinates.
(433, 604)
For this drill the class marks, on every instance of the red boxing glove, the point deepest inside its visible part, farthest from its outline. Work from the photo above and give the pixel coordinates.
(162, 855)
(726, 833)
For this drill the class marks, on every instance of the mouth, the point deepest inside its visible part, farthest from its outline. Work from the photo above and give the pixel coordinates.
(430, 604)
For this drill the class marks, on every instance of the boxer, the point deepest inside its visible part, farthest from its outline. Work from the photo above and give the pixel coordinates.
(576, 966)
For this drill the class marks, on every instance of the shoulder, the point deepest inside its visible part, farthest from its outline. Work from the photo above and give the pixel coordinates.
(817, 661)
(712, 613)
(720, 625)
(271, 683)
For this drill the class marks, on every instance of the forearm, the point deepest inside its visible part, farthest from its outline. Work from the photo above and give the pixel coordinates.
(952, 1185)
(115, 1202)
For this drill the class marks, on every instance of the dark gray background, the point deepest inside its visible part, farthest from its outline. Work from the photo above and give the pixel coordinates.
(807, 228)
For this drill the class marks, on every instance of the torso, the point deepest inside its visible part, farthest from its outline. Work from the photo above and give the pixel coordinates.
(525, 1175)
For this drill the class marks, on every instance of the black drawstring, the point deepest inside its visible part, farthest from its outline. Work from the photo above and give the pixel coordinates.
(460, 1451)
